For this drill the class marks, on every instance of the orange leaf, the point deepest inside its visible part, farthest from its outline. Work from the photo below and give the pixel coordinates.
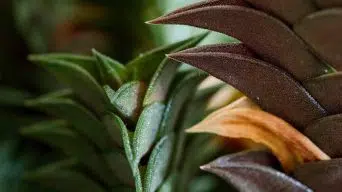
(244, 120)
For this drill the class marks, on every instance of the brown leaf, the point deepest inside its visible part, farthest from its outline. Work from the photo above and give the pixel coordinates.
(288, 10)
(289, 145)
(326, 133)
(251, 171)
(322, 31)
(271, 39)
(328, 3)
(270, 87)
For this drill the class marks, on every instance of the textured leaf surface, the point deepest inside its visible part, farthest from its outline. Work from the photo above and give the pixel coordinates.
(254, 29)
(266, 85)
(326, 134)
(177, 99)
(327, 90)
(146, 130)
(321, 30)
(288, 145)
(143, 67)
(83, 121)
(158, 164)
(128, 100)
(288, 10)
(163, 76)
(112, 72)
(321, 176)
(237, 48)
(76, 78)
(247, 175)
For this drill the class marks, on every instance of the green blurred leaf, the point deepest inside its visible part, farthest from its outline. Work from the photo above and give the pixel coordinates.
(120, 167)
(158, 164)
(77, 78)
(113, 128)
(146, 130)
(112, 72)
(143, 67)
(83, 121)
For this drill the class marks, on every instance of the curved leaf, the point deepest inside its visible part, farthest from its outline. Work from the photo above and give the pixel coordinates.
(77, 78)
(321, 30)
(326, 134)
(146, 130)
(236, 48)
(56, 134)
(181, 93)
(143, 67)
(113, 128)
(288, 10)
(163, 76)
(250, 176)
(120, 167)
(288, 145)
(321, 176)
(86, 62)
(128, 100)
(83, 121)
(223, 97)
(327, 90)
(266, 85)
(158, 163)
(260, 32)
(112, 72)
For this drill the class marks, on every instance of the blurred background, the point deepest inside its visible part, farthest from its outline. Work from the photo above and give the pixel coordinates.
(116, 28)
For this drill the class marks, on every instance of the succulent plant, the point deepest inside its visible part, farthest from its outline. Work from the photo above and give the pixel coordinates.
(288, 64)
(121, 127)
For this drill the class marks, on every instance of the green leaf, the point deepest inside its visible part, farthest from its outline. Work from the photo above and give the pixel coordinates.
(79, 80)
(163, 76)
(127, 138)
(57, 176)
(57, 134)
(120, 167)
(112, 72)
(182, 92)
(143, 67)
(146, 130)
(158, 163)
(83, 121)
(113, 128)
(86, 62)
(63, 93)
(12, 97)
(169, 184)
(128, 100)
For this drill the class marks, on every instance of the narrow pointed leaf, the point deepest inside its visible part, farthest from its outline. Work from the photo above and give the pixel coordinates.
(128, 100)
(146, 130)
(327, 90)
(86, 62)
(249, 176)
(261, 82)
(163, 76)
(143, 67)
(83, 121)
(260, 32)
(63, 93)
(112, 72)
(321, 30)
(158, 164)
(77, 78)
(288, 145)
(290, 11)
(328, 3)
(326, 134)
(322, 175)
(56, 134)
(64, 180)
(179, 96)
